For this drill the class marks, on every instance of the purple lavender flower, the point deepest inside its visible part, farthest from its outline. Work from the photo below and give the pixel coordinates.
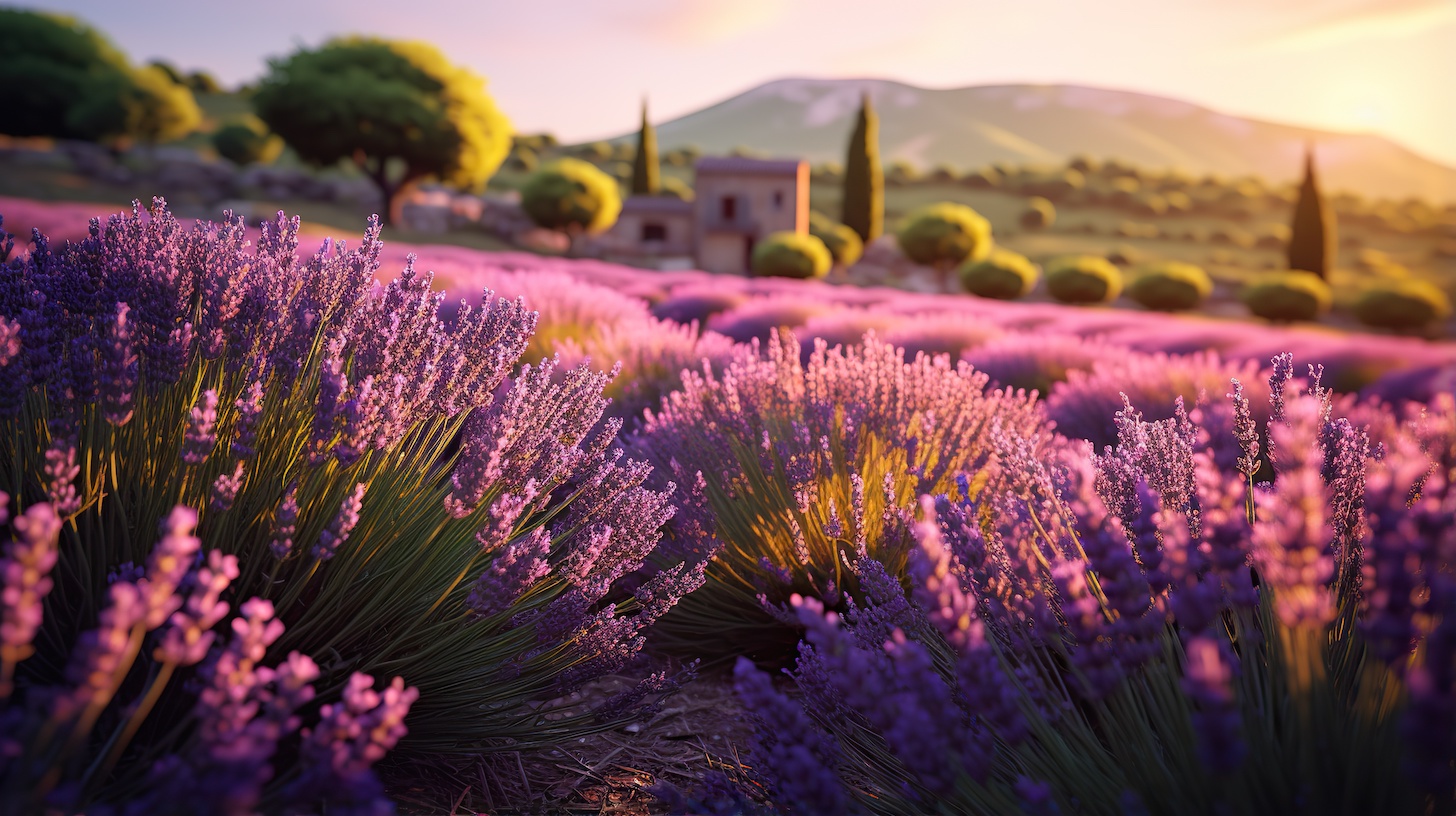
(798, 759)
(517, 567)
(1216, 718)
(1245, 431)
(25, 580)
(201, 432)
(250, 407)
(338, 530)
(285, 522)
(119, 368)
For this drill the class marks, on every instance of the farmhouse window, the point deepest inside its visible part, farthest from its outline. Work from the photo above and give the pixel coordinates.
(654, 232)
(730, 208)
(778, 200)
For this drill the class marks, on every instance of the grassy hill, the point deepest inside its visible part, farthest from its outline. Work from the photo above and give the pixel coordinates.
(1047, 124)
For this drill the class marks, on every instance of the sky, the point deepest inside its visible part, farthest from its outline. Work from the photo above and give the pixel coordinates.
(579, 68)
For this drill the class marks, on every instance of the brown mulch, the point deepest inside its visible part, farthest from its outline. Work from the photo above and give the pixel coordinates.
(699, 728)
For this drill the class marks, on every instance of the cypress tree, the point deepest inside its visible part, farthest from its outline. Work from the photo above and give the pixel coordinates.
(645, 171)
(1312, 233)
(864, 185)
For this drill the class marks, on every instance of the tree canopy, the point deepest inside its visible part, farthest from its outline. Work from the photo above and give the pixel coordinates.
(65, 80)
(399, 110)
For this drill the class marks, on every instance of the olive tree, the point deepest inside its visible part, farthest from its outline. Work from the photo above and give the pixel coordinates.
(400, 111)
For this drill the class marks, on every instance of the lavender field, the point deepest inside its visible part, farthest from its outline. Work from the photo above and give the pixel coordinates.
(291, 531)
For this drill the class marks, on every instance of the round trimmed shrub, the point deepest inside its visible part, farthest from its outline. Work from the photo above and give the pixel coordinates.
(1402, 304)
(1170, 286)
(1287, 296)
(1004, 275)
(571, 195)
(844, 244)
(247, 142)
(1083, 279)
(1040, 214)
(945, 234)
(791, 255)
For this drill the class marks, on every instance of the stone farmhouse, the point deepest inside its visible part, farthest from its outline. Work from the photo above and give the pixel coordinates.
(738, 202)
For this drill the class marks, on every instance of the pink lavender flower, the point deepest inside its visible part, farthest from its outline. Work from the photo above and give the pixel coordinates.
(285, 522)
(61, 471)
(358, 731)
(225, 488)
(167, 566)
(9, 341)
(201, 432)
(343, 523)
(25, 579)
(102, 653)
(189, 634)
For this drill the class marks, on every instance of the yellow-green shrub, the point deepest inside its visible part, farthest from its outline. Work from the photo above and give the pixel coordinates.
(1004, 275)
(1287, 296)
(1170, 286)
(1402, 304)
(791, 255)
(1083, 279)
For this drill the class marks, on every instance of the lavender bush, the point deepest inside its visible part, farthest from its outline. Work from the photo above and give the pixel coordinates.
(369, 495)
(792, 468)
(1145, 630)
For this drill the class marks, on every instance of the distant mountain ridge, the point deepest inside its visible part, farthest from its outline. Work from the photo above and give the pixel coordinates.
(1047, 124)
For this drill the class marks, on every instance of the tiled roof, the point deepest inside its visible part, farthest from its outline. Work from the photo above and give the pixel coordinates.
(742, 164)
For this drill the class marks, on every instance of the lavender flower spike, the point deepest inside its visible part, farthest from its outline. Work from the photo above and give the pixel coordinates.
(189, 634)
(225, 488)
(201, 429)
(339, 529)
(24, 582)
(285, 523)
(61, 471)
(168, 565)
(119, 366)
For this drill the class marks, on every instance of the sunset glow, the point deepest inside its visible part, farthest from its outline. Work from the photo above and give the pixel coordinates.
(579, 68)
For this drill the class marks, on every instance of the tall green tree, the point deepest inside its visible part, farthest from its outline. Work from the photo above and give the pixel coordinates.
(646, 173)
(863, 205)
(399, 110)
(1312, 232)
(61, 78)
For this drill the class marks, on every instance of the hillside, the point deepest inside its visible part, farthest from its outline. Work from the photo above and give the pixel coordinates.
(1030, 124)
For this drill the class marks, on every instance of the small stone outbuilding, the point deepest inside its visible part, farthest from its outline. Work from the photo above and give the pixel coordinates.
(740, 201)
